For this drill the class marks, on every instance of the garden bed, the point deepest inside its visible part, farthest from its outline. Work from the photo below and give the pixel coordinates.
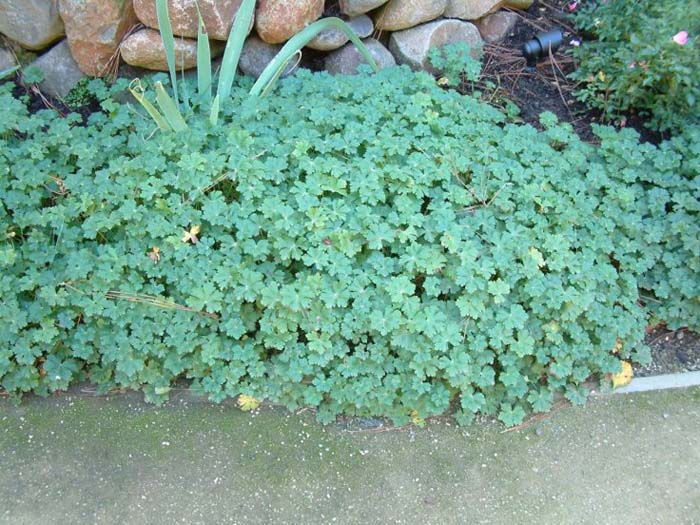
(368, 246)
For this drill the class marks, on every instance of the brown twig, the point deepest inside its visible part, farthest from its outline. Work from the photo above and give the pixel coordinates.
(538, 417)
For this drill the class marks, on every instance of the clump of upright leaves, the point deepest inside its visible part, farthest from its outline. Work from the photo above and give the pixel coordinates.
(458, 60)
(169, 115)
(641, 56)
(404, 256)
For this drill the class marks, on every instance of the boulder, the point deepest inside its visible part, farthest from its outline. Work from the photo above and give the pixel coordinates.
(278, 20)
(256, 55)
(61, 72)
(519, 4)
(7, 59)
(495, 27)
(33, 24)
(412, 46)
(145, 49)
(475, 9)
(334, 38)
(347, 59)
(402, 14)
(218, 16)
(359, 7)
(94, 29)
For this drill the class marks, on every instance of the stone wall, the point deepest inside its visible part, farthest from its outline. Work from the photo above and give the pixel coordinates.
(92, 37)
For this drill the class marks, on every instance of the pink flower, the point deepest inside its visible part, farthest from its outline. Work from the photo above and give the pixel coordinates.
(573, 5)
(681, 38)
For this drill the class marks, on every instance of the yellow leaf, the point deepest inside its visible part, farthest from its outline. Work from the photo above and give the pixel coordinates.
(247, 403)
(624, 377)
(416, 419)
(537, 256)
(154, 254)
(191, 236)
(443, 81)
(601, 76)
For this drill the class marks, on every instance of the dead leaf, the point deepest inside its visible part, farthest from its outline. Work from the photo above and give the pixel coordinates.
(191, 236)
(624, 377)
(154, 254)
(247, 403)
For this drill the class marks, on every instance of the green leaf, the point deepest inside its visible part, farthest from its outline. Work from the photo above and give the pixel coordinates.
(137, 91)
(166, 33)
(203, 62)
(270, 74)
(234, 46)
(169, 109)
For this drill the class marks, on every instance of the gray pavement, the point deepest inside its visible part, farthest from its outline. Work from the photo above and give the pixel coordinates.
(632, 458)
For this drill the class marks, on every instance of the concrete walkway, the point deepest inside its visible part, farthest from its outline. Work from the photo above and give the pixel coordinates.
(632, 458)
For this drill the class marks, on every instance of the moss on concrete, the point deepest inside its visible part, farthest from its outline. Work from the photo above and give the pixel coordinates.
(79, 459)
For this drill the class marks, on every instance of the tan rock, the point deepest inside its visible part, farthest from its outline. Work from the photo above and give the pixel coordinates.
(475, 9)
(358, 7)
(94, 29)
(412, 46)
(218, 16)
(495, 27)
(519, 4)
(278, 20)
(402, 14)
(145, 49)
(33, 24)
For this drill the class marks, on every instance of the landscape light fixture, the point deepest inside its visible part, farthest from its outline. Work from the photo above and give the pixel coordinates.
(541, 46)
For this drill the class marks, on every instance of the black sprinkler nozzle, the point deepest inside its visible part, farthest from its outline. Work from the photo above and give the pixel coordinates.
(541, 46)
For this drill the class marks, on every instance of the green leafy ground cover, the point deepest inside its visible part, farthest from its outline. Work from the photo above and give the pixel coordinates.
(371, 245)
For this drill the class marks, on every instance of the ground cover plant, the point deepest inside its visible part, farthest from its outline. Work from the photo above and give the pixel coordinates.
(641, 57)
(371, 245)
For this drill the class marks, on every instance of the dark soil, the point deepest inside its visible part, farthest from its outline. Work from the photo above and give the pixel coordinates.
(671, 352)
(39, 101)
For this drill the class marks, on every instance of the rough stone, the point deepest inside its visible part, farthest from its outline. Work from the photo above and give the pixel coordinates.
(519, 4)
(495, 27)
(61, 72)
(402, 14)
(278, 20)
(94, 29)
(256, 55)
(334, 38)
(475, 9)
(7, 59)
(145, 49)
(412, 46)
(358, 7)
(33, 24)
(218, 16)
(347, 59)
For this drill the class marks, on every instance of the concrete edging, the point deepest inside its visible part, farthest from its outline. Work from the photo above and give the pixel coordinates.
(661, 382)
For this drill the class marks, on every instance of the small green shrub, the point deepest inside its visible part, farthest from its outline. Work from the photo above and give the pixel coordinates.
(457, 60)
(81, 94)
(369, 245)
(633, 62)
